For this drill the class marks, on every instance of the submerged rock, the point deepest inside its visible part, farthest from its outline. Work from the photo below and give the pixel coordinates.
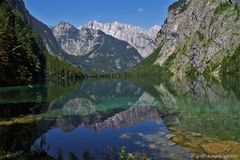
(223, 147)
(178, 139)
(170, 136)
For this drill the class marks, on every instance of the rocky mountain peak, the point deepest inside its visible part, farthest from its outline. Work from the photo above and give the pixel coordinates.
(65, 30)
(74, 41)
(64, 26)
(141, 39)
(94, 50)
(154, 30)
(92, 24)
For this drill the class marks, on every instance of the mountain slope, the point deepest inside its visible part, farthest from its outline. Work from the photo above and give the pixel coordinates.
(200, 37)
(94, 50)
(60, 66)
(142, 40)
(23, 56)
(42, 29)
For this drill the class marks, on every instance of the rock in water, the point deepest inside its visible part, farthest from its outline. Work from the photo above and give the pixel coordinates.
(224, 147)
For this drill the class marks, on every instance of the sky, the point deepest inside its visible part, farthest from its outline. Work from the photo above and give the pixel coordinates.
(142, 13)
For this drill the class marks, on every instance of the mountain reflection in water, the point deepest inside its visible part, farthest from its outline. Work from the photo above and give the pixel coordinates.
(163, 119)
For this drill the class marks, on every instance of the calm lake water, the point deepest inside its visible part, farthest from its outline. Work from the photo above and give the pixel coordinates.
(96, 118)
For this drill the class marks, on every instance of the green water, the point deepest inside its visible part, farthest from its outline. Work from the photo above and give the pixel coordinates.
(164, 119)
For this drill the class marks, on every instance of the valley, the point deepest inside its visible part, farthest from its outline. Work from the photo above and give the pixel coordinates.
(112, 90)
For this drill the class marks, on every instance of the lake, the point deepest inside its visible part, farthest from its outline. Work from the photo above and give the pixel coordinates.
(98, 118)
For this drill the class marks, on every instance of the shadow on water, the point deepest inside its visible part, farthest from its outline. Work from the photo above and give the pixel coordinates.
(164, 119)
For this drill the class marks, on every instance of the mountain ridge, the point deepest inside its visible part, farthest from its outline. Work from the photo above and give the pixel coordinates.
(94, 50)
(141, 39)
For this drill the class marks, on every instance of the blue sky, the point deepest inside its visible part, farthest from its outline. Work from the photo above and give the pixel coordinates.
(143, 13)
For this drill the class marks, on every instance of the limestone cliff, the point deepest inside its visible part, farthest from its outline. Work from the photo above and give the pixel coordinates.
(200, 37)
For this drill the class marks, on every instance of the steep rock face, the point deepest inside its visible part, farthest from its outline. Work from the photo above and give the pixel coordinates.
(142, 40)
(47, 37)
(198, 36)
(94, 50)
(76, 42)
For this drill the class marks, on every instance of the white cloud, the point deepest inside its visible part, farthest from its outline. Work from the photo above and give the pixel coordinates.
(141, 10)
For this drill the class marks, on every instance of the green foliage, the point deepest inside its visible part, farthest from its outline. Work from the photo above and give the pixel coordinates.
(24, 156)
(223, 7)
(170, 61)
(150, 60)
(107, 75)
(3, 154)
(210, 68)
(237, 9)
(182, 4)
(192, 73)
(154, 71)
(23, 56)
(231, 64)
(17, 41)
(60, 69)
(148, 68)
(87, 156)
(230, 82)
(144, 68)
(200, 36)
(123, 155)
(229, 8)
(72, 156)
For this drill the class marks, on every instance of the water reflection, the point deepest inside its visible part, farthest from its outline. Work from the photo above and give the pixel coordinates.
(96, 97)
(214, 110)
(96, 118)
(203, 116)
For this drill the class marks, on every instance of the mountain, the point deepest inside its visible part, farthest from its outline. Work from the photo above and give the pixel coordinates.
(199, 38)
(42, 29)
(142, 40)
(153, 31)
(48, 39)
(23, 56)
(73, 41)
(94, 50)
